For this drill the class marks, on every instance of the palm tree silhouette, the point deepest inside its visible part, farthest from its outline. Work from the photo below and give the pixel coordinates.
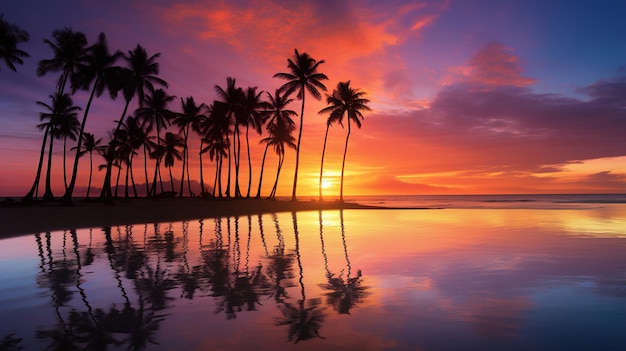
(99, 70)
(10, 36)
(89, 145)
(191, 116)
(172, 142)
(155, 113)
(346, 101)
(303, 76)
(67, 126)
(216, 136)
(275, 109)
(232, 97)
(331, 119)
(59, 122)
(280, 131)
(135, 134)
(252, 116)
(132, 81)
(68, 51)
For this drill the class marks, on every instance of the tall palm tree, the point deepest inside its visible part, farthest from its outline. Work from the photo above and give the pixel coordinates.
(10, 36)
(69, 54)
(331, 119)
(98, 71)
(141, 74)
(303, 76)
(136, 137)
(67, 126)
(154, 112)
(201, 126)
(62, 109)
(280, 136)
(232, 97)
(89, 145)
(192, 115)
(172, 142)
(349, 102)
(252, 115)
(276, 109)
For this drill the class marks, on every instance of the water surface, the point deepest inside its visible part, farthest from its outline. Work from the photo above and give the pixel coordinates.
(472, 279)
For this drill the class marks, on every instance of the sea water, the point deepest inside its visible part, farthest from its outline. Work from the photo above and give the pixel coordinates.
(471, 273)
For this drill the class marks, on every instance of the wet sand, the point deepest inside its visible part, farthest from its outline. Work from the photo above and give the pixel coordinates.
(18, 219)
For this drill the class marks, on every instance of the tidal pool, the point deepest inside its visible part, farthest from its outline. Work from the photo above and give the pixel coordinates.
(453, 279)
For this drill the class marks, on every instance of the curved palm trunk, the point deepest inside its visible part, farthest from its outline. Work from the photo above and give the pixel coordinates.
(132, 176)
(229, 166)
(343, 163)
(157, 164)
(249, 163)
(295, 176)
(280, 166)
(67, 197)
(127, 176)
(322, 165)
(117, 181)
(217, 182)
(258, 192)
(106, 194)
(48, 196)
(31, 192)
(172, 179)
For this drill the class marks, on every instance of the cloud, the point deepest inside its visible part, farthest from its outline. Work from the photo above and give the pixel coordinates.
(494, 65)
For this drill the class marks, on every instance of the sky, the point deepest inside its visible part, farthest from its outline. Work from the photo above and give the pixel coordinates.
(467, 97)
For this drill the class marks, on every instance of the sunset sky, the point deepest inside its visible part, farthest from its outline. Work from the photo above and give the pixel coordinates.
(467, 97)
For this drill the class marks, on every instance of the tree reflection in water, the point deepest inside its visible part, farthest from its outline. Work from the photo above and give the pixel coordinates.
(145, 271)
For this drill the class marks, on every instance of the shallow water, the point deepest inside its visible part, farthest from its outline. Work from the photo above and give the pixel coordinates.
(471, 279)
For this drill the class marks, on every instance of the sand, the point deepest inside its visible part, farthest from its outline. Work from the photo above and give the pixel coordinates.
(18, 219)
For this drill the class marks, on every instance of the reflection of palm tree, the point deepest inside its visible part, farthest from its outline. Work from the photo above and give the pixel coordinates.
(345, 294)
(349, 102)
(189, 278)
(304, 322)
(303, 76)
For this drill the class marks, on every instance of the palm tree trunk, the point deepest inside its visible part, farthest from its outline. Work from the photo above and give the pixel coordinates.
(48, 196)
(249, 163)
(237, 162)
(126, 180)
(229, 166)
(145, 169)
(281, 159)
(295, 176)
(64, 162)
(117, 181)
(343, 163)
(172, 179)
(258, 193)
(202, 189)
(156, 165)
(67, 197)
(187, 164)
(132, 176)
(322, 165)
(182, 177)
(217, 182)
(90, 173)
(31, 192)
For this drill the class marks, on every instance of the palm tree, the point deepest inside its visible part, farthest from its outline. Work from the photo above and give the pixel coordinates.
(276, 109)
(201, 126)
(280, 136)
(10, 36)
(217, 137)
(136, 136)
(252, 116)
(132, 81)
(99, 70)
(58, 115)
(331, 119)
(69, 56)
(232, 97)
(346, 101)
(154, 112)
(89, 145)
(172, 142)
(303, 76)
(190, 117)
(68, 51)
(67, 126)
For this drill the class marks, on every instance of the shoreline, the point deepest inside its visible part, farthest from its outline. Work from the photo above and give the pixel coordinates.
(18, 219)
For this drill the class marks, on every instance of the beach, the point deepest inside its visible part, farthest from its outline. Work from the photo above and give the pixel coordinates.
(20, 219)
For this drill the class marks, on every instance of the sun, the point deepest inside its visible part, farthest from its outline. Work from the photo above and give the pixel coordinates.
(326, 184)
